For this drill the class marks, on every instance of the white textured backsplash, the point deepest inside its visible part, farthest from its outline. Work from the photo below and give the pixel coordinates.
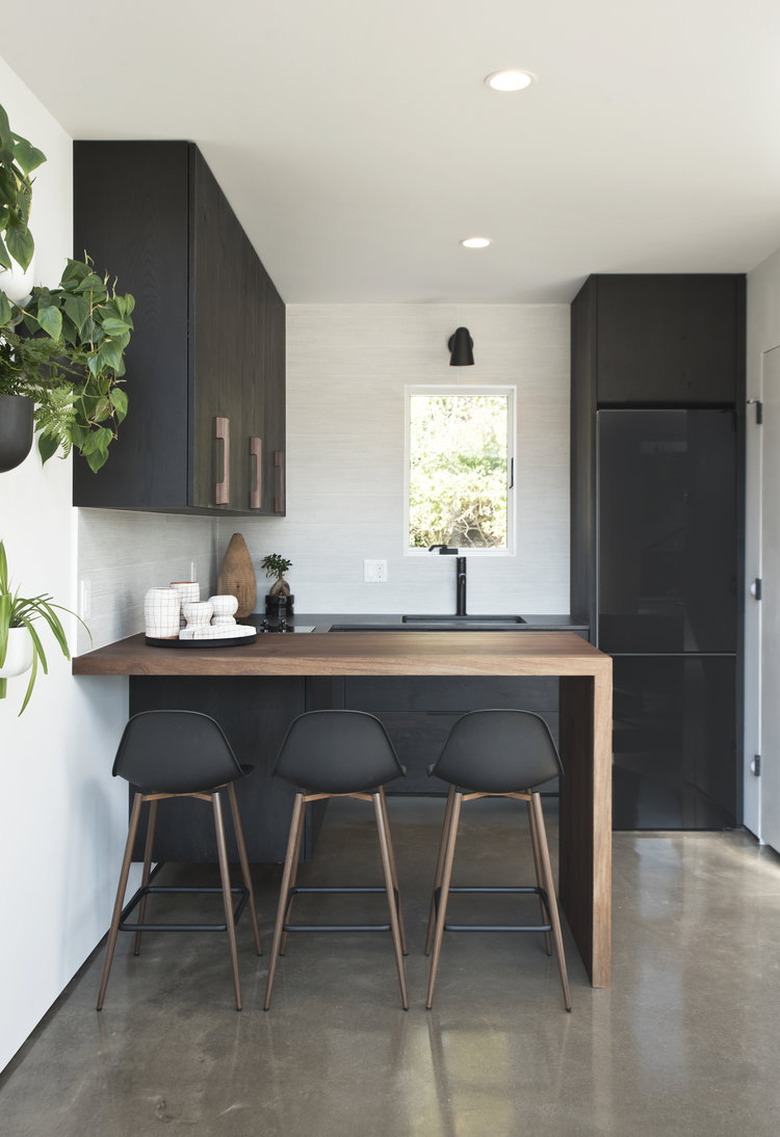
(347, 368)
(122, 554)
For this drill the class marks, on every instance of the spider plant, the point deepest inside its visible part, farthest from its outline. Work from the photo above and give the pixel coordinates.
(21, 612)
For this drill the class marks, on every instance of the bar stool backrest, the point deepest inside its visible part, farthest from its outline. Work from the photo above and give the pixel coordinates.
(498, 751)
(175, 752)
(337, 752)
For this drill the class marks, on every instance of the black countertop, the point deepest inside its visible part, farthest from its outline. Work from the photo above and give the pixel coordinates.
(319, 622)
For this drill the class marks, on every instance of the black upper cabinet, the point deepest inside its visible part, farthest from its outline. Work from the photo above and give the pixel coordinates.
(206, 363)
(666, 339)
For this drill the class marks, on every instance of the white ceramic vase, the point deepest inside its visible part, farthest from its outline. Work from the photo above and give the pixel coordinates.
(19, 655)
(197, 615)
(162, 613)
(225, 608)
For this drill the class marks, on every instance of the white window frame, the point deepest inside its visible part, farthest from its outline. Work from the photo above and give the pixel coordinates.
(510, 392)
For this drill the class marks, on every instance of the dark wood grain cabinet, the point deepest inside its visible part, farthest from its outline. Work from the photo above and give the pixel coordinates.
(206, 364)
(657, 534)
(661, 339)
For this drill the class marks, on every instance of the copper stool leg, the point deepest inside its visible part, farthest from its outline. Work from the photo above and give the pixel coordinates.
(224, 873)
(295, 867)
(385, 848)
(148, 849)
(244, 862)
(394, 870)
(449, 857)
(538, 872)
(113, 931)
(549, 886)
(284, 892)
(438, 874)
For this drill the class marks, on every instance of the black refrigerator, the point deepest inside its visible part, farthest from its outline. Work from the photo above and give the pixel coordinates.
(666, 610)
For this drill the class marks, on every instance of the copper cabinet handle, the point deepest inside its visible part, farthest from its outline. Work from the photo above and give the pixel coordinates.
(222, 489)
(279, 502)
(256, 494)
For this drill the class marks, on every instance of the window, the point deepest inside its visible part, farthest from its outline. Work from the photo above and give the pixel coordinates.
(460, 463)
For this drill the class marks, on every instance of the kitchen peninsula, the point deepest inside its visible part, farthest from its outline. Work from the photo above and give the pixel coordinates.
(256, 689)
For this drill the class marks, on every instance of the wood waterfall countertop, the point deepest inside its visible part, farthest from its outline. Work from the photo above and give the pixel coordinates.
(359, 653)
(585, 722)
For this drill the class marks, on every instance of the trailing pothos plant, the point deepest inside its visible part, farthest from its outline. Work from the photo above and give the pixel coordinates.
(18, 159)
(20, 612)
(64, 349)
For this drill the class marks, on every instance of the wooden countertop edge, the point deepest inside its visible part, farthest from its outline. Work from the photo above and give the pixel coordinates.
(359, 653)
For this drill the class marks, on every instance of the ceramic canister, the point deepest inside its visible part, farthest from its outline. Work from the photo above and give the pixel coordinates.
(189, 591)
(197, 614)
(162, 613)
(225, 608)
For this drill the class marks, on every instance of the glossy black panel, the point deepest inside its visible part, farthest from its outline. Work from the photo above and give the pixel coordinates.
(674, 743)
(667, 567)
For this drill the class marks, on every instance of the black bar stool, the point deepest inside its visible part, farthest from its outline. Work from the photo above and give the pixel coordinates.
(172, 754)
(496, 753)
(337, 753)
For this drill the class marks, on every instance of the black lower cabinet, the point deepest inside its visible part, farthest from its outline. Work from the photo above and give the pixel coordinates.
(254, 714)
(419, 713)
(674, 742)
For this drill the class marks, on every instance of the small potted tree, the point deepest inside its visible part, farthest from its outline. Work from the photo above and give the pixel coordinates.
(20, 645)
(275, 567)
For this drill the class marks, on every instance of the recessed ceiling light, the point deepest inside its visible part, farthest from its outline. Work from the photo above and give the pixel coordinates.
(512, 80)
(476, 242)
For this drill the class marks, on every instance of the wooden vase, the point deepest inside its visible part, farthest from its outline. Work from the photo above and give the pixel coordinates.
(237, 576)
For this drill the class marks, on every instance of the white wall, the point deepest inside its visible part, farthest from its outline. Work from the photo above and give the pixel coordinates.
(65, 818)
(763, 334)
(62, 814)
(347, 367)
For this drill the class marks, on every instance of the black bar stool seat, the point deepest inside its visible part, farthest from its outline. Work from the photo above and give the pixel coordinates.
(338, 753)
(496, 753)
(179, 754)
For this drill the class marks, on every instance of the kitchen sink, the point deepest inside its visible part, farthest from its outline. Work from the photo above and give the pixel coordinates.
(449, 619)
(439, 624)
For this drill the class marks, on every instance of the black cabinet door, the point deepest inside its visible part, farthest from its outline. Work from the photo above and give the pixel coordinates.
(208, 345)
(674, 742)
(131, 216)
(669, 339)
(667, 547)
(224, 365)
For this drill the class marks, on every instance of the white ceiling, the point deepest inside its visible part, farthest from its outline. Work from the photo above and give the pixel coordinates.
(358, 144)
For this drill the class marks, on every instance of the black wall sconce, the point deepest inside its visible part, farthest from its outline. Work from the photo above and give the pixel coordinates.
(460, 344)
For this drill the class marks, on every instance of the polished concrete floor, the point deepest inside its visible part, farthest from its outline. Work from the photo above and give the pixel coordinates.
(686, 1041)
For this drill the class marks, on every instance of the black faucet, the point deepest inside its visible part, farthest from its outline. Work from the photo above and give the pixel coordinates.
(460, 576)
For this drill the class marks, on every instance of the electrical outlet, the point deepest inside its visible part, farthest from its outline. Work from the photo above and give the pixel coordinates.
(85, 599)
(374, 572)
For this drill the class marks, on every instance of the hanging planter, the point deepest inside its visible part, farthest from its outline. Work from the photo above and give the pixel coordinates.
(16, 430)
(20, 644)
(62, 347)
(19, 653)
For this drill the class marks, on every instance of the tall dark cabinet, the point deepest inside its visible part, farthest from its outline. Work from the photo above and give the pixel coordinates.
(657, 520)
(206, 363)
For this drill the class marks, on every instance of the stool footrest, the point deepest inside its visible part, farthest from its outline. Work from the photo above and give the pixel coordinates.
(484, 888)
(138, 896)
(348, 889)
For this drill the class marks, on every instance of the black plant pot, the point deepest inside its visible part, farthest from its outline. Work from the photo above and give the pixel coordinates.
(16, 430)
(272, 605)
